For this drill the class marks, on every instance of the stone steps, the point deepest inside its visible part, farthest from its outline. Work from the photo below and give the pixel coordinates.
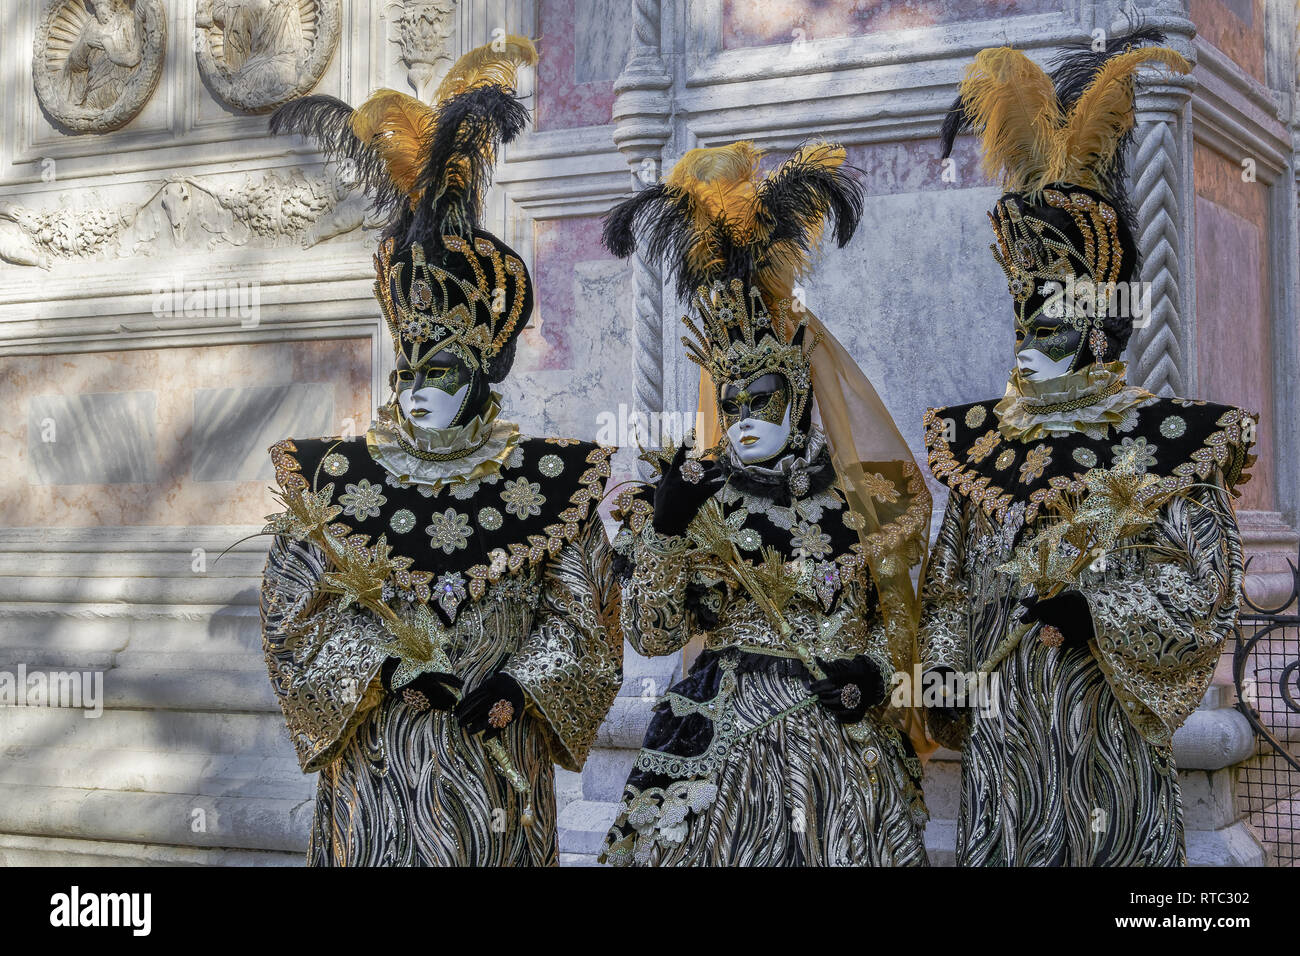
(582, 828)
(182, 820)
(18, 850)
(164, 732)
(233, 775)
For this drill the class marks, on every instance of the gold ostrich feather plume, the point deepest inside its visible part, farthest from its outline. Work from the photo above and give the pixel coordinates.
(1102, 115)
(1013, 107)
(729, 206)
(494, 63)
(401, 128)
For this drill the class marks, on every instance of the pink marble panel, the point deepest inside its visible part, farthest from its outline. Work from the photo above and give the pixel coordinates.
(1234, 344)
(582, 50)
(175, 499)
(916, 165)
(749, 23)
(560, 245)
(1236, 27)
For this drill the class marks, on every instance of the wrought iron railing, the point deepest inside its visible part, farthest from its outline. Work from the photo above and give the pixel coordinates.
(1266, 671)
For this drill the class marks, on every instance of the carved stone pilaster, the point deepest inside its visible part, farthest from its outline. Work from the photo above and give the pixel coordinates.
(1160, 351)
(424, 31)
(1295, 106)
(1158, 356)
(641, 115)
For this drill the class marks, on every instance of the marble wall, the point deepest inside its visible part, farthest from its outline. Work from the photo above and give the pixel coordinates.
(760, 22)
(1238, 28)
(570, 372)
(1235, 342)
(168, 437)
(137, 435)
(897, 300)
(586, 43)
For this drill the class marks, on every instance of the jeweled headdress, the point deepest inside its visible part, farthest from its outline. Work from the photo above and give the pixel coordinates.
(1057, 142)
(735, 240)
(738, 340)
(442, 281)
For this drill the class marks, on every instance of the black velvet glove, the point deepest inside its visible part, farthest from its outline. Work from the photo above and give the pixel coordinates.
(678, 500)
(427, 691)
(491, 706)
(850, 687)
(1067, 612)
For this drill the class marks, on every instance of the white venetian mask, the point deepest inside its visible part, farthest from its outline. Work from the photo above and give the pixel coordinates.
(430, 408)
(755, 439)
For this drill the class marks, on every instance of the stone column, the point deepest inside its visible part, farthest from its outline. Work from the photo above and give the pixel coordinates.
(641, 114)
(1161, 350)
(1206, 747)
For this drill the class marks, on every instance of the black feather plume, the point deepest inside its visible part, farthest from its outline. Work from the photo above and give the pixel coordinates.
(327, 122)
(955, 122)
(802, 193)
(660, 220)
(622, 222)
(468, 131)
(790, 207)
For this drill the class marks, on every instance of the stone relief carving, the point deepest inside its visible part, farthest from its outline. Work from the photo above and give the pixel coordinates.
(424, 31)
(70, 231)
(256, 54)
(184, 214)
(95, 63)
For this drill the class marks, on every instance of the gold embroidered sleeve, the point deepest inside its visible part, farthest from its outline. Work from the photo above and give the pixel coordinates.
(945, 595)
(877, 650)
(571, 666)
(944, 635)
(655, 620)
(870, 637)
(323, 661)
(1160, 629)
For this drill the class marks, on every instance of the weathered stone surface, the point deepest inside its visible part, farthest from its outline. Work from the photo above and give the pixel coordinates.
(583, 825)
(1213, 737)
(233, 427)
(1236, 845)
(107, 438)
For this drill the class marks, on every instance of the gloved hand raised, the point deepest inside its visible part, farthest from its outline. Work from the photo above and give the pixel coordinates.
(682, 490)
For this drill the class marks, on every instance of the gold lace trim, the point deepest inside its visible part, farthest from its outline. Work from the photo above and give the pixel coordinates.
(1227, 449)
(1083, 402)
(506, 560)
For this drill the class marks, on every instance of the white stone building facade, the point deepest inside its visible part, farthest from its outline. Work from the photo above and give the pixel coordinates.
(178, 290)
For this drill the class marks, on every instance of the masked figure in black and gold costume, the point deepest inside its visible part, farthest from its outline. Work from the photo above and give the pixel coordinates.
(1099, 661)
(784, 544)
(444, 551)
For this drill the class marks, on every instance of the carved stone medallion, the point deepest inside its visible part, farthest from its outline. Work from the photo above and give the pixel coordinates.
(256, 54)
(95, 63)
